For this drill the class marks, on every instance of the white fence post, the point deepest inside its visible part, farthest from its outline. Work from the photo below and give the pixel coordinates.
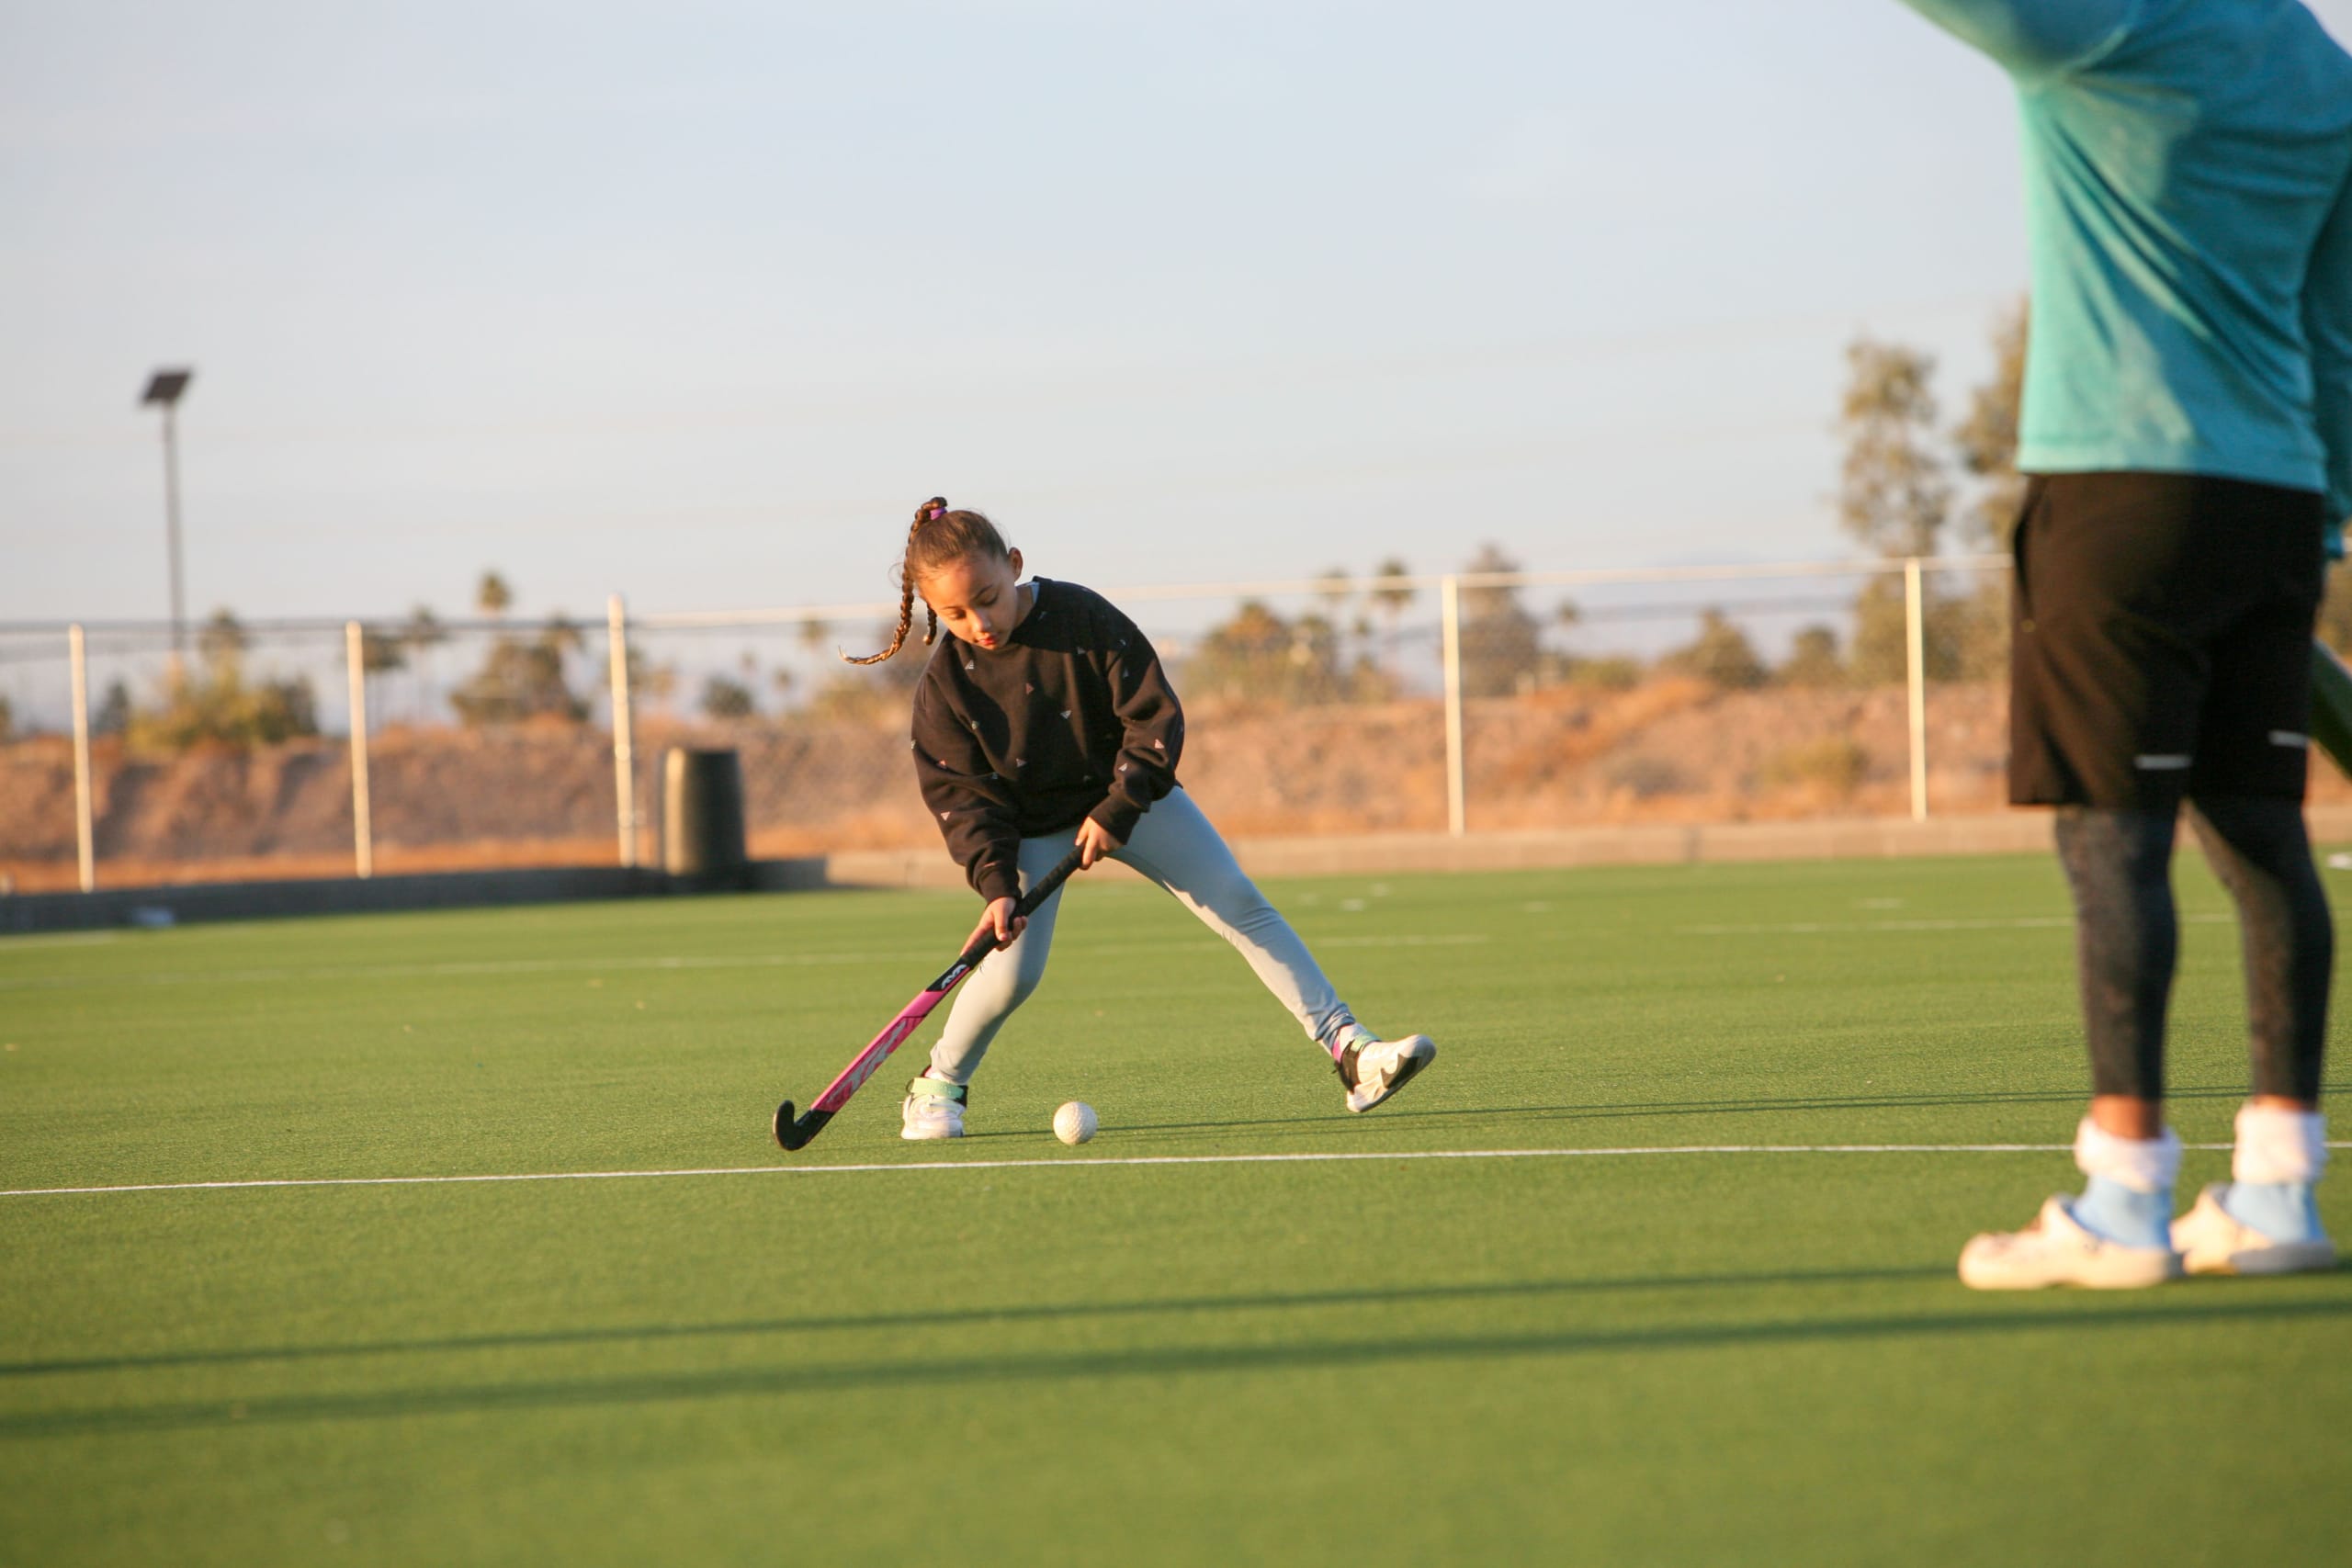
(624, 753)
(1449, 598)
(363, 834)
(85, 828)
(1915, 646)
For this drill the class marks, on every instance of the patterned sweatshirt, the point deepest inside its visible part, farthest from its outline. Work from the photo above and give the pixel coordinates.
(1072, 718)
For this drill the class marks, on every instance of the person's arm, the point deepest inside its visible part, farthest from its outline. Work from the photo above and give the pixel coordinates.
(1152, 725)
(969, 803)
(2327, 325)
(2034, 38)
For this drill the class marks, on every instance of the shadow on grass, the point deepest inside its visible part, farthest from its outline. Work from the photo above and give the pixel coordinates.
(1160, 1361)
(981, 1316)
(1613, 1111)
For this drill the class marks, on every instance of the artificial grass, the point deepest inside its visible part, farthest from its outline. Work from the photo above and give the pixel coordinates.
(1653, 1358)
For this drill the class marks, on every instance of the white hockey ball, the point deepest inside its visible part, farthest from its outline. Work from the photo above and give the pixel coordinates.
(1074, 1123)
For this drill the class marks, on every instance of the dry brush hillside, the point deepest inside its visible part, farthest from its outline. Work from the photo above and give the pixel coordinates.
(1667, 751)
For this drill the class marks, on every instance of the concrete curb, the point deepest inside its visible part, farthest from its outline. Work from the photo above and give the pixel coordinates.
(2011, 832)
(186, 902)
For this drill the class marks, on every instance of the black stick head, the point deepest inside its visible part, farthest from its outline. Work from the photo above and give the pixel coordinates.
(795, 1133)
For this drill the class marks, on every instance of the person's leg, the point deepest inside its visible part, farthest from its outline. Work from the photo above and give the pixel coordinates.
(2118, 865)
(1178, 848)
(2262, 853)
(2117, 593)
(1004, 980)
(2259, 850)
(2246, 798)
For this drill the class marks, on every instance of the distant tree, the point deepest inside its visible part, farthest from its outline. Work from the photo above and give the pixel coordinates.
(1720, 655)
(113, 717)
(1987, 437)
(1987, 443)
(7, 719)
(423, 630)
(1881, 653)
(1605, 672)
(724, 697)
(1813, 659)
(1893, 496)
(1501, 643)
(380, 653)
(493, 595)
(563, 632)
(1332, 591)
(420, 634)
(218, 702)
(523, 678)
(1258, 655)
(649, 683)
(1392, 593)
(221, 638)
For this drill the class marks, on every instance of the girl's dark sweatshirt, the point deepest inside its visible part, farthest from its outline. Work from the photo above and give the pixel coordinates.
(1073, 717)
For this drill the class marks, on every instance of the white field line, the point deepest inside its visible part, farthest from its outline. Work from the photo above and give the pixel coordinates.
(57, 938)
(1082, 1162)
(463, 968)
(1849, 928)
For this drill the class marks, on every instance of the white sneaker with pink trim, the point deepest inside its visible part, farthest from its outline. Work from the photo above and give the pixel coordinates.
(1373, 1069)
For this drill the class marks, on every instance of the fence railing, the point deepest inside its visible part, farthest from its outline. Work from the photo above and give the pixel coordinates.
(1497, 711)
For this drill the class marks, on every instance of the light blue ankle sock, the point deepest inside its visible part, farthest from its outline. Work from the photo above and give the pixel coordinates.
(2283, 1211)
(2109, 1209)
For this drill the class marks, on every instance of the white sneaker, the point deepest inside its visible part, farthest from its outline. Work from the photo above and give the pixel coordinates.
(1374, 1068)
(933, 1109)
(2056, 1250)
(2211, 1241)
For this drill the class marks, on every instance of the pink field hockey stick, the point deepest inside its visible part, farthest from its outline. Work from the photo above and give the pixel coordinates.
(794, 1132)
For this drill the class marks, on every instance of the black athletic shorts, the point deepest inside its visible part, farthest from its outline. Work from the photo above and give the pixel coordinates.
(2161, 640)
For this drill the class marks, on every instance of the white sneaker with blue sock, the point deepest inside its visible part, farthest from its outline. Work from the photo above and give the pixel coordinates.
(2267, 1221)
(2111, 1237)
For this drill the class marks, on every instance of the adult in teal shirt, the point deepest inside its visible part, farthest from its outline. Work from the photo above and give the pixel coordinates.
(2188, 431)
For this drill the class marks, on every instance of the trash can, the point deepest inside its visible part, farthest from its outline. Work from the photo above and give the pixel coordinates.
(702, 819)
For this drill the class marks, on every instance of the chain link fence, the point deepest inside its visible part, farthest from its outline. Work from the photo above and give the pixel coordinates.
(1467, 702)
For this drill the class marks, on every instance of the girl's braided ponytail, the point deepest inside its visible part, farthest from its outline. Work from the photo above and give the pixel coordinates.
(931, 511)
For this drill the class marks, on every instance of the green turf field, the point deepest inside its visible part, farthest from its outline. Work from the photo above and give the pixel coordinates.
(1719, 1356)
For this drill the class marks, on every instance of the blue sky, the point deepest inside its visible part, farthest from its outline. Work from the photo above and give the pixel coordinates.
(696, 301)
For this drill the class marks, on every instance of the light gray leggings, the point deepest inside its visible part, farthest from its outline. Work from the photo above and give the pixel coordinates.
(1174, 846)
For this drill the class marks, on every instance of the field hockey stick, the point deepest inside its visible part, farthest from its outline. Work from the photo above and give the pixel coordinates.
(794, 1132)
(2331, 723)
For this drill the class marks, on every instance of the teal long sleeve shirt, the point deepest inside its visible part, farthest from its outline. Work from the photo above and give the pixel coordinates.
(2188, 204)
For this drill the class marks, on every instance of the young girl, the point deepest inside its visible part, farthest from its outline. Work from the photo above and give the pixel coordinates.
(1044, 720)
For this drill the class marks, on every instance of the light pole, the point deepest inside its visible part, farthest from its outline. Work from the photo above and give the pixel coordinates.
(163, 389)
